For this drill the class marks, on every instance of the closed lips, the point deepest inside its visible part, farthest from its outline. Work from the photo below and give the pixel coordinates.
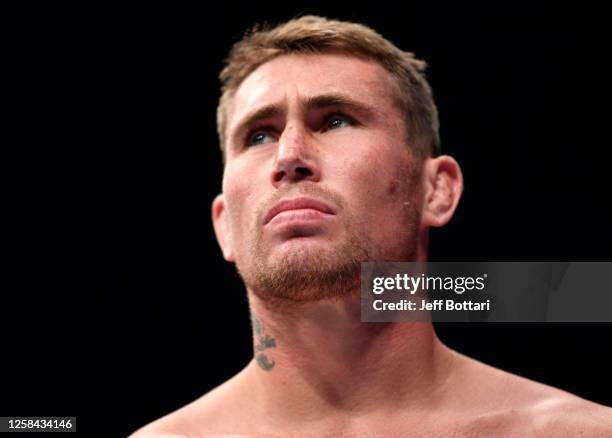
(298, 204)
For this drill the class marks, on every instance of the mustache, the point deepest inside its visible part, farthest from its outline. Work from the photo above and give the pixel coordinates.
(303, 189)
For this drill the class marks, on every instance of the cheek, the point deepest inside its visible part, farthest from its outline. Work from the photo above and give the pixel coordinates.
(392, 187)
(381, 193)
(379, 181)
(238, 193)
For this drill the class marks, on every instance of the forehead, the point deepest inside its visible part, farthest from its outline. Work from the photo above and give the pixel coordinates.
(293, 76)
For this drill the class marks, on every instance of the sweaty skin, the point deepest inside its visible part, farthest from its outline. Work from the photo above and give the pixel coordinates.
(318, 371)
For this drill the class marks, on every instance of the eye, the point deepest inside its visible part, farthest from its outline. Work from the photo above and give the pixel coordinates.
(259, 137)
(338, 121)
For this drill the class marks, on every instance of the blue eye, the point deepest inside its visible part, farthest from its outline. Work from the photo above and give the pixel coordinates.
(259, 137)
(336, 122)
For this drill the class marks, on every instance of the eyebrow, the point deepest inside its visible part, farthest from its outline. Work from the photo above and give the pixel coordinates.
(266, 112)
(316, 102)
(338, 99)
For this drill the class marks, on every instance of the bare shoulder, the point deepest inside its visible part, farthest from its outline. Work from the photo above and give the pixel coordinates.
(513, 403)
(204, 417)
(564, 414)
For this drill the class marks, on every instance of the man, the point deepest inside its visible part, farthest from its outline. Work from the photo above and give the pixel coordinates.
(330, 141)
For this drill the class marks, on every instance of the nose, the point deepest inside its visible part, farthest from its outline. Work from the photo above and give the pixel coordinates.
(296, 157)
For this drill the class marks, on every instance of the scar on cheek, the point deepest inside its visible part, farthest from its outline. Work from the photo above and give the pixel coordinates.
(392, 188)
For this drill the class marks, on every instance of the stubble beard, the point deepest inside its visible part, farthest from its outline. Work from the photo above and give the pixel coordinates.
(322, 271)
(313, 273)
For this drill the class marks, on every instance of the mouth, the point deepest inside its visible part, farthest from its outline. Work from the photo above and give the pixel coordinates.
(298, 209)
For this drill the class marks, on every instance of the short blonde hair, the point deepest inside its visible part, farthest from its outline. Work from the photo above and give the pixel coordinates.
(315, 35)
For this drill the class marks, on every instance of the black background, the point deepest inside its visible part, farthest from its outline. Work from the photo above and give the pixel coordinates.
(119, 308)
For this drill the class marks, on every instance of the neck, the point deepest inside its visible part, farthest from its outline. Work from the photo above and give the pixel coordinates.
(319, 359)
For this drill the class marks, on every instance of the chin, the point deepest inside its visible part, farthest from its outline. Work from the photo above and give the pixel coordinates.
(307, 251)
(310, 244)
(304, 270)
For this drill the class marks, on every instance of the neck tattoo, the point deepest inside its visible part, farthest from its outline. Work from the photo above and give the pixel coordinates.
(263, 341)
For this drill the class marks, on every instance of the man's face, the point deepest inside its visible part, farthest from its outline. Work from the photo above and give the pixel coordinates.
(318, 176)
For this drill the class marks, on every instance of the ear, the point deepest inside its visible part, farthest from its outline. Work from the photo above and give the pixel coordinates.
(222, 231)
(443, 185)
